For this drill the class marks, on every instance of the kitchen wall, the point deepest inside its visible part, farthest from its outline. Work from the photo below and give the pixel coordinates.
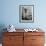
(9, 13)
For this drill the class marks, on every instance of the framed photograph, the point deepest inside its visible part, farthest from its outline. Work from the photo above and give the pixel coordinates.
(26, 13)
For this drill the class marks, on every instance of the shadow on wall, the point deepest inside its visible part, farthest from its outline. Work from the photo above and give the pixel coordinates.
(2, 26)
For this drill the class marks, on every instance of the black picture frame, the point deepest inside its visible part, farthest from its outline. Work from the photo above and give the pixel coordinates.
(26, 13)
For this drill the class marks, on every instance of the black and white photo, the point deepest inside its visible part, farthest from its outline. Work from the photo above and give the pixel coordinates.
(26, 13)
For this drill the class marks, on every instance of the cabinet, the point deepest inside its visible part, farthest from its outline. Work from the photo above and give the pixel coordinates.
(13, 39)
(23, 39)
(34, 39)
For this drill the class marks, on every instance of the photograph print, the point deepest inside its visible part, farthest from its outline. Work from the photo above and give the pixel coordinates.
(26, 13)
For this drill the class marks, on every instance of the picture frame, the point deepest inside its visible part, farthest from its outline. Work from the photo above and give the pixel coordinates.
(26, 13)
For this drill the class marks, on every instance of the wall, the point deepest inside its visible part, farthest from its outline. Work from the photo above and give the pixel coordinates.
(9, 13)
